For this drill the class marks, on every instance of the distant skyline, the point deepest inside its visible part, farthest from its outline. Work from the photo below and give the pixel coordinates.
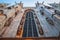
(29, 2)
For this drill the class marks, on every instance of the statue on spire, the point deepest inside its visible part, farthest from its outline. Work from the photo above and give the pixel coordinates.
(20, 2)
(43, 2)
(37, 2)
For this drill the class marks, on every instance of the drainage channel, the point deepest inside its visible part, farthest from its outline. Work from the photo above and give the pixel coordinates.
(29, 29)
(40, 30)
(20, 28)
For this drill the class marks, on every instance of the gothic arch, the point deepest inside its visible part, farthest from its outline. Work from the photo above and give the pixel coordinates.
(27, 10)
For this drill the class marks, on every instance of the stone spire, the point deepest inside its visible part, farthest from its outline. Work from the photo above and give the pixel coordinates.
(37, 4)
(21, 4)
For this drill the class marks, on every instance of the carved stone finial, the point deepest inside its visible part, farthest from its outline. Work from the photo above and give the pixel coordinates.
(20, 2)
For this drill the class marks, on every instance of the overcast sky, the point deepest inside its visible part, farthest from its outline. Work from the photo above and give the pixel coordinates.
(29, 2)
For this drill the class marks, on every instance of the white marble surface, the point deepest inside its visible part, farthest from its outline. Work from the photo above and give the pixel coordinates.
(49, 31)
